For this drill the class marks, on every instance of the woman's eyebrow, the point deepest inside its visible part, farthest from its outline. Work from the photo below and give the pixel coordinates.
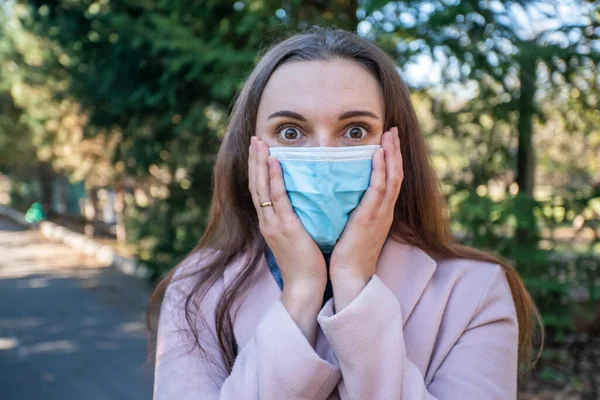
(287, 113)
(357, 113)
(345, 115)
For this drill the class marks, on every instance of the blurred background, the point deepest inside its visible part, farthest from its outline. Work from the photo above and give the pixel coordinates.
(111, 113)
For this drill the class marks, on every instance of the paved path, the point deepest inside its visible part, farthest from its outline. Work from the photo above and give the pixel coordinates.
(69, 328)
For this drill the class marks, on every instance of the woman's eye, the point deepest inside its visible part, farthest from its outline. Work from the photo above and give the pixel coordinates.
(356, 132)
(290, 133)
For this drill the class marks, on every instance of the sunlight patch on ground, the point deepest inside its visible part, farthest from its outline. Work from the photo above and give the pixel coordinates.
(65, 346)
(7, 343)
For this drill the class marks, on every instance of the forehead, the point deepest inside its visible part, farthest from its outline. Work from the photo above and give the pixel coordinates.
(313, 87)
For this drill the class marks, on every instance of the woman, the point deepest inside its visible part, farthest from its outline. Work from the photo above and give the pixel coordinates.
(327, 270)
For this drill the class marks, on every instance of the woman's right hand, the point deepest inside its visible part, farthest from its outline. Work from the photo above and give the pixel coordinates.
(301, 262)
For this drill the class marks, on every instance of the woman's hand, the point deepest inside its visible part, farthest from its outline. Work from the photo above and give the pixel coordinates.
(355, 255)
(301, 262)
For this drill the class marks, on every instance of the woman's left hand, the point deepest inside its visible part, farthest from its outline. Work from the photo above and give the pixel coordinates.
(355, 255)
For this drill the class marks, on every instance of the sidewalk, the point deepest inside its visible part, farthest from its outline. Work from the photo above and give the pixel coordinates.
(70, 328)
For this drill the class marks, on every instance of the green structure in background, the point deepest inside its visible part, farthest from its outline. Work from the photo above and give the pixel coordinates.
(35, 214)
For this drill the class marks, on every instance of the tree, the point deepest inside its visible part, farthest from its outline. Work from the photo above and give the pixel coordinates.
(164, 75)
(500, 46)
(46, 121)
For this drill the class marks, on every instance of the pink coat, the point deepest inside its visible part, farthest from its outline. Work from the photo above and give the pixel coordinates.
(420, 329)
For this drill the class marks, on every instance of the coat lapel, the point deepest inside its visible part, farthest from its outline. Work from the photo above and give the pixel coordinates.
(406, 270)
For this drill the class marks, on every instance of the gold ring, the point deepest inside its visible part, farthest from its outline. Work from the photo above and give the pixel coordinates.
(266, 204)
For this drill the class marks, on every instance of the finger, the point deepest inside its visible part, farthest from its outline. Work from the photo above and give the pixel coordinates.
(393, 158)
(263, 190)
(252, 159)
(279, 197)
(252, 178)
(378, 177)
(400, 165)
(371, 201)
(388, 143)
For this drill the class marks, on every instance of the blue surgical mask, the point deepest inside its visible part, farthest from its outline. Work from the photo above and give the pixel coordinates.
(324, 185)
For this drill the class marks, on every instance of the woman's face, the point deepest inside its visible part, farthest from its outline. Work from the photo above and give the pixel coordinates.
(321, 103)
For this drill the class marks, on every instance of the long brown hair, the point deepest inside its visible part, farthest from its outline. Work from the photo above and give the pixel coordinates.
(420, 217)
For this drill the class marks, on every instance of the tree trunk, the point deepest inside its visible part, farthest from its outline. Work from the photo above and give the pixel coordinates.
(62, 197)
(46, 189)
(120, 213)
(91, 212)
(526, 229)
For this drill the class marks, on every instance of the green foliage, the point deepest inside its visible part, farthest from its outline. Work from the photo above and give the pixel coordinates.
(564, 284)
(157, 80)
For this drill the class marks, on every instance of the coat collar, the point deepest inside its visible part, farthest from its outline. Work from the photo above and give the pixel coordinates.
(406, 270)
